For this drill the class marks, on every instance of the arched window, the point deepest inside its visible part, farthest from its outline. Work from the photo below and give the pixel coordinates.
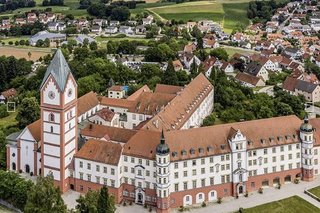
(14, 166)
(51, 117)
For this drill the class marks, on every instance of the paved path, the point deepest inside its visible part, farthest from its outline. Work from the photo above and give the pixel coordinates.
(229, 204)
(268, 90)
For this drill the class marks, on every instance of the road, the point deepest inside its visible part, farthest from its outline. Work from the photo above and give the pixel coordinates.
(282, 25)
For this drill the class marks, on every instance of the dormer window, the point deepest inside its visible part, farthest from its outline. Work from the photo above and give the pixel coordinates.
(201, 150)
(183, 152)
(288, 137)
(174, 154)
(192, 151)
(222, 146)
(209, 148)
(279, 138)
(51, 117)
(271, 140)
(262, 141)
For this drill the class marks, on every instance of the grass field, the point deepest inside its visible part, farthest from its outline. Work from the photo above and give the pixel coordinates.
(8, 121)
(22, 52)
(293, 204)
(228, 13)
(315, 191)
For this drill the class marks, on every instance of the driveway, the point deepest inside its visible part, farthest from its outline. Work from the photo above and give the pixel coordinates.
(229, 204)
(268, 90)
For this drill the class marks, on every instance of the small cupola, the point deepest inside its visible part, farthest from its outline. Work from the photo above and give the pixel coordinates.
(162, 148)
(306, 126)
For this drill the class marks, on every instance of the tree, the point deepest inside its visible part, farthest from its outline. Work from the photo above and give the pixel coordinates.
(105, 201)
(170, 76)
(209, 120)
(89, 83)
(120, 13)
(28, 112)
(88, 203)
(45, 197)
(220, 53)
(3, 111)
(93, 45)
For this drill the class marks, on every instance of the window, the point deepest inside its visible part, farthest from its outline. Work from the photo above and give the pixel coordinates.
(265, 160)
(139, 172)
(265, 170)
(51, 117)
(222, 167)
(203, 182)
(132, 160)
(185, 163)
(298, 154)
(194, 172)
(132, 170)
(147, 173)
(133, 116)
(274, 150)
(81, 164)
(176, 175)
(81, 175)
(282, 167)
(250, 162)
(112, 183)
(185, 185)
(239, 155)
(281, 148)
(265, 151)
(290, 156)
(211, 159)
(88, 177)
(98, 179)
(290, 147)
(185, 173)
(297, 146)
(194, 163)
(282, 157)
(104, 169)
(176, 187)
(194, 184)
(227, 157)
(125, 158)
(147, 162)
(89, 166)
(274, 159)
(274, 169)
(211, 169)
(203, 170)
(51, 129)
(212, 181)
(222, 157)
(140, 161)
(202, 161)
(176, 165)
(97, 168)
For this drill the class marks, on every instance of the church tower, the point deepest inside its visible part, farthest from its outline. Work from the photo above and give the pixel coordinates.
(58, 102)
(306, 136)
(163, 173)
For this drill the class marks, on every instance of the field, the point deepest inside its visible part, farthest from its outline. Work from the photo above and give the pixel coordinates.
(227, 13)
(315, 191)
(20, 52)
(293, 204)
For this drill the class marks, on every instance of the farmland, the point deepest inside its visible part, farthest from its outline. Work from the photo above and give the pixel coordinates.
(36, 53)
(228, 13)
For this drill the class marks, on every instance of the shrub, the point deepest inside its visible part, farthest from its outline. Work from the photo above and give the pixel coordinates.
(145, 206)
(260, 190)
(31, 173)
(124, 203)
(246, 194)
(203, 204)
(182, 209)
(10, 42)
(240, 210)
(296, 181)
(219, 200)
(279, 186)
(130, 203)
(3, 111)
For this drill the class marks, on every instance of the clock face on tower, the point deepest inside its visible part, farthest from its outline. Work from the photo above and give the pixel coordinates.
(51, 95)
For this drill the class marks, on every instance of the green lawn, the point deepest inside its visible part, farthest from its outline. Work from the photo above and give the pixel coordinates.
(293, 204)
(315, 191)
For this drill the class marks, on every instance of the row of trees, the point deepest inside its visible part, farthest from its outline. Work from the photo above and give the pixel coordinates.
(26, 29)
(15, 4)
(100, 10)
(53, 3)
(45, 197)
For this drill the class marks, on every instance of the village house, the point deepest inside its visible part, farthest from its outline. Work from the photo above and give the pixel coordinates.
(126, 30)
(257, 70)
(96, 29)
(111, 30)
(118, 92)
(249, 80)
(6, 95)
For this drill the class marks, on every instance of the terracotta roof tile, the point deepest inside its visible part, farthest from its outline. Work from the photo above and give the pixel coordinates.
(253, 80)
(290, 84)
(35, 130)
(106, 114)
(178, 110)
(87, 102)
(137, 93)
(9, 93)
(116, 88)
(100, 151)
(169, 89)
(114, 133)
